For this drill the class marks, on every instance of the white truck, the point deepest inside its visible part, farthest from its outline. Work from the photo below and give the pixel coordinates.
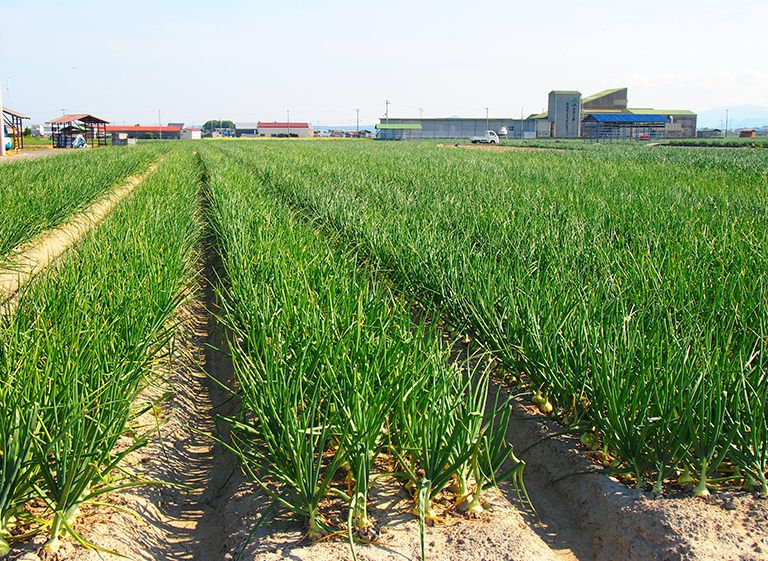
(490, 137)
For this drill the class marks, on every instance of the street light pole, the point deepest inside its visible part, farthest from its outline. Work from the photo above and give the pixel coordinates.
(358, 121)
(486, 118)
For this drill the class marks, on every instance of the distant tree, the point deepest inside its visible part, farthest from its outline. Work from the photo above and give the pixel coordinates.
(210, 126)
(27, 131)
(149, 135)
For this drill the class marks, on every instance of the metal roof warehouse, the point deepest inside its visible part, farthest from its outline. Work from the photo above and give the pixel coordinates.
(622, 126)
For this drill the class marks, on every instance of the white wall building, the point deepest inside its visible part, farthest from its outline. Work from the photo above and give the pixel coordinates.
(191, 134)
(282, 130)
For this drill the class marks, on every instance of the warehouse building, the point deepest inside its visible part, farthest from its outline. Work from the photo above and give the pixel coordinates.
(454, 127)
(247, 130)
(171, 132)
(569, 115)
(284, 130)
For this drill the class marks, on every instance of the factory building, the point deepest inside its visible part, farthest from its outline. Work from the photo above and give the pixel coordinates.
(564, 114)
(602, 116)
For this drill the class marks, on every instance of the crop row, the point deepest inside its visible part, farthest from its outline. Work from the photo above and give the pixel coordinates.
(39, 194)
(77, 351)
(628, 285)
(333, 370)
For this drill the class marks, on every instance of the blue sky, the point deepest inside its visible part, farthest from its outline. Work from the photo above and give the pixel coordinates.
(248, 61)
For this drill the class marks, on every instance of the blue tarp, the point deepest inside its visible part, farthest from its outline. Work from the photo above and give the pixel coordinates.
(625, 118)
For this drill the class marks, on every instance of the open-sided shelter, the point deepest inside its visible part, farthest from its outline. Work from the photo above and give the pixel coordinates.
(66, 129)
(14, 127)
(621, 126)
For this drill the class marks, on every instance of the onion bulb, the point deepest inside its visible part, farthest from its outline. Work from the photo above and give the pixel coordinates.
(685, 477)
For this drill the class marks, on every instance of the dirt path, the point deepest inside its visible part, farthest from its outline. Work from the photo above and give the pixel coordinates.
(185, 521)
(35, 257)
(26, 154)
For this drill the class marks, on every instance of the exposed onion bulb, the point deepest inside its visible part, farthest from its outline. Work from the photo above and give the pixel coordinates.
(685, 477)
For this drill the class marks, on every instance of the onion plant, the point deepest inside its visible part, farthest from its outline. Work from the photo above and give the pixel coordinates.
(79, 346)
(331, 366)
(658, 251)
(38, 194)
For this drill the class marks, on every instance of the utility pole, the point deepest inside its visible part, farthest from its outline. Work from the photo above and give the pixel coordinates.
(159, 124)
(2, 124)
(726, 124)
(358, 122)
(288, 112)
(386, 112)
(421, 113)
(486, 118)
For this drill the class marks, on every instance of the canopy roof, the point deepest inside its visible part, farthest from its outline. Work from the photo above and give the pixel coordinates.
(14, 113)
(83, 118)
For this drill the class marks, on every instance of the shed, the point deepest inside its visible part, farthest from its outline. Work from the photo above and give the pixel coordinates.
(67, 130)
(709, 133)
(398, 131)
(13, 123)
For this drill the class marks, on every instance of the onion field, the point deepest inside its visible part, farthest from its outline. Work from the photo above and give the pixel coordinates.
(77, 351)
(627, 285)
(37, 195)
(620, 290)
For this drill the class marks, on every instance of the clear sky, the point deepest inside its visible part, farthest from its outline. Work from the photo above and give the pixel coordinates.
(257, 60)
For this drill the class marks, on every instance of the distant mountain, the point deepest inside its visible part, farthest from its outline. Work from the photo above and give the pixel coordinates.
(739, 117)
